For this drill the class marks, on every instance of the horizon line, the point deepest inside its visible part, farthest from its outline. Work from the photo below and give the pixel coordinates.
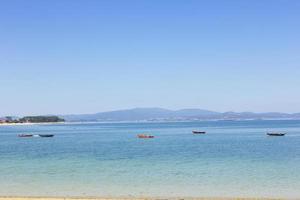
(162, 108)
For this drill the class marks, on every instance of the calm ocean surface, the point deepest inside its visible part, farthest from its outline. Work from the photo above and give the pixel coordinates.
(234, 158)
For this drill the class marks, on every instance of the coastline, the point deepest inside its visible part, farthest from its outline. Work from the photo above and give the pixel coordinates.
(137, 198)
(133, 122)
(29, 124)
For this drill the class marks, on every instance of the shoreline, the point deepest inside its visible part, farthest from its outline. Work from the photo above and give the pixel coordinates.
(30, 124)
(136, 198)
(134, 122)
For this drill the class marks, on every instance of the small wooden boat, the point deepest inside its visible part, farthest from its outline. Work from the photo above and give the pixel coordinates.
(275, 134)
(25, 135)
(198, 132)
(46, 135)
(144, 136)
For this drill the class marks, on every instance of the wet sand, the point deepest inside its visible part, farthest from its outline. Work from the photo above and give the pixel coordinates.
(133, 198)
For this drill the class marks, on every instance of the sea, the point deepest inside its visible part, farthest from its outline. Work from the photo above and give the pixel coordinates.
(233, 159)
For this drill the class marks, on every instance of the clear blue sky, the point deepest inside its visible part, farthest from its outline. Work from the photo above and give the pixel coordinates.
(88, 56)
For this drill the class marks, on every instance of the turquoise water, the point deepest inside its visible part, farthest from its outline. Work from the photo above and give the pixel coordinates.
(106, 159)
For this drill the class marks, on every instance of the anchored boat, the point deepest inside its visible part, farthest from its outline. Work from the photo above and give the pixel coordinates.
(46, 135)
(25, 135)
(198, 132)
(275, 134)
(144, 136)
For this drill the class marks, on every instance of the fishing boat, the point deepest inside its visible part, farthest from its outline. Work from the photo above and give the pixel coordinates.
(46, 135)
(25, 135)
(198, 132)
(275, 134)
(144, 136)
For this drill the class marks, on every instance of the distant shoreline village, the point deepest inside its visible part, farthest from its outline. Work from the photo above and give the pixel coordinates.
(30, 120)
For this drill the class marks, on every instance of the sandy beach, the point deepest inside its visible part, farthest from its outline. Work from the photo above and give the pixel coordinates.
(133, 198)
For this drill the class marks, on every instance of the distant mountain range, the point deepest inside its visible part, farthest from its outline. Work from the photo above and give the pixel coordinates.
(160, 114)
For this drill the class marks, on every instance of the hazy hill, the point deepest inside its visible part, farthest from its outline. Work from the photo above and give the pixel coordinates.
(160, 114)
(138, 114)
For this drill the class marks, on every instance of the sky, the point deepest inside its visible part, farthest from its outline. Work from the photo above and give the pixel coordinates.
(66, 56)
